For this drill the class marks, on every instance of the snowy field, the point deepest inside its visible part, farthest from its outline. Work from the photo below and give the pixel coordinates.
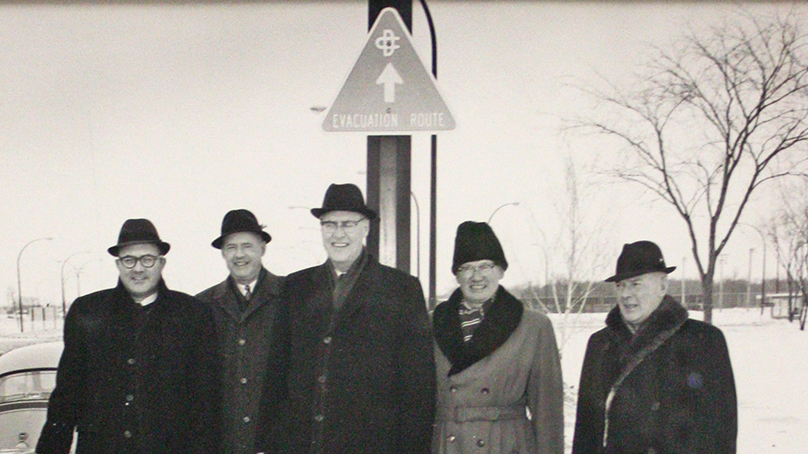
(769, 358)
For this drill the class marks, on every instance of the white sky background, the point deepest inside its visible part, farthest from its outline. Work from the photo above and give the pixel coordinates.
(179, 113)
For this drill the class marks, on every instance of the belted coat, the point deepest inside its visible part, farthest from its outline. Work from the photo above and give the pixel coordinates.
(248, 349)
(669, 388)
(136, 380)
(361, 378)
(485, 386)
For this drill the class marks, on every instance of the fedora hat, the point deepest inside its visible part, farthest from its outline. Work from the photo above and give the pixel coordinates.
(236, 221)
(344, 197)
(639, 258)
(476, 241)
(138, 231)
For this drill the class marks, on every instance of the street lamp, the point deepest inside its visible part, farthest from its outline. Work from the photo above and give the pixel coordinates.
(64, 262)
(19, 280)
(500, 207)
(78, 271)
(763, 268)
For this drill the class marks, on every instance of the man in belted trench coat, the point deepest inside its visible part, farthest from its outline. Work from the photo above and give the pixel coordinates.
(139, 372)
(653, 380)
(245, 307)
(362, 375)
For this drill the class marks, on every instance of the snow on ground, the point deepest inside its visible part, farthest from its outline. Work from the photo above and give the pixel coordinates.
(769, 359)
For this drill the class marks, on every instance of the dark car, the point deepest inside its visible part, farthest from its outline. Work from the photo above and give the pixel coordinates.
(27, 377)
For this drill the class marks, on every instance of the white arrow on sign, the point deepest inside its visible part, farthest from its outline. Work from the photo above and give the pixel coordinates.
(389, 78)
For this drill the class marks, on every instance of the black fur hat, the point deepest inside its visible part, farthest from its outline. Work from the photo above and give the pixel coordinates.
(477, 241)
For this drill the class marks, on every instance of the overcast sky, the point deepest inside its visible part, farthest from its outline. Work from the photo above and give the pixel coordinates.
(179, 113)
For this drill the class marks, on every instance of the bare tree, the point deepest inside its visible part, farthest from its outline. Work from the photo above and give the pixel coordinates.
(712, 118)
(577, 248)
(788, 230)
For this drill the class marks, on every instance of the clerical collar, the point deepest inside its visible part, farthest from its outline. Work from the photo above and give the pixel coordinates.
(149, 299)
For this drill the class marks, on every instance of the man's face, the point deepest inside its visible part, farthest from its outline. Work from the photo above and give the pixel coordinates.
(344, 233)
(639, 296)
(479, 280)
(140, 281)
(242, 251)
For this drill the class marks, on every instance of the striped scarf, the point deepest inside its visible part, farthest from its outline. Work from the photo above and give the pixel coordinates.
(471, 317)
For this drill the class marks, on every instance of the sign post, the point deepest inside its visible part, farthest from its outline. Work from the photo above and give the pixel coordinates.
(388, 92)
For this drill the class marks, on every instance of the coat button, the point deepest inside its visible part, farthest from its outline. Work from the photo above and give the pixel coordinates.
(321, 379)
(243, 380)
(319, 418)
(127, 434)
(451, 438)
(131, 361)
(453, 389)
(246, 419)
(481, 442)
(484, 391)
(327, 340)
(130, 397)
(242, 341)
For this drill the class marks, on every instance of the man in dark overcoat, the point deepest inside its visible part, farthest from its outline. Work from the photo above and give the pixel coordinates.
(139, 371)
(362, 374)
(654, 380)
(245, 306)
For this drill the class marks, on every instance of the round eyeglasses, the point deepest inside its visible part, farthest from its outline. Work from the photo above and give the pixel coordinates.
(348, 227)
(130, 261)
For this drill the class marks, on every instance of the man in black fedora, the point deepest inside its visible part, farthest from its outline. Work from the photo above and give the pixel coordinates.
(139, 371)
(654, 380)
(361, 373)
(245, 306)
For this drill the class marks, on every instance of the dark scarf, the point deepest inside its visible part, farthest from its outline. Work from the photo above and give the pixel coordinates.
(343, 284)
(500, 321)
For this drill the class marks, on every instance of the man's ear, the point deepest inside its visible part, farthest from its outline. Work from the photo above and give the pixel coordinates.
(663, 282)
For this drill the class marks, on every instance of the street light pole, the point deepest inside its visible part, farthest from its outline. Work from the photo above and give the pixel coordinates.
(62, 275)
(19, 279)
(763, 269)
(500, 207)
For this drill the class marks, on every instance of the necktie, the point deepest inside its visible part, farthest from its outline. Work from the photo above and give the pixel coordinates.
(247, 293)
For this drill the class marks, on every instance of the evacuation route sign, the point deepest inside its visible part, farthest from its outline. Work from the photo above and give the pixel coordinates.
(389, 90)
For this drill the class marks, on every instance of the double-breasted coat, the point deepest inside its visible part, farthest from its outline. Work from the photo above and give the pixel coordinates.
(247, 346)
(485, 387)
(361, 378)
(135, 379)
(668, 388)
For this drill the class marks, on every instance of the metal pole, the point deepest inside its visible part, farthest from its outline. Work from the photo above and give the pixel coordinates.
(19, 279)
(417, 235)
(749, 281)
(684, 294)
(62, 275)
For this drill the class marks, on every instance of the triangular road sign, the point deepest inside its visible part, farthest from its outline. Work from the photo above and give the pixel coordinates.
(389, 90)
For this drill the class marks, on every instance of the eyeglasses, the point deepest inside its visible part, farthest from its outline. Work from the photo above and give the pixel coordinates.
(130, 261)
(347, 226)
(469, 270)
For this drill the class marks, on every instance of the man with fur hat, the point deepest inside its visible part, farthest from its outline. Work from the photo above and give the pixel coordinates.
(654, 380)
(361, 375)
(495, 359)
(245, 306)
(139, 373)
